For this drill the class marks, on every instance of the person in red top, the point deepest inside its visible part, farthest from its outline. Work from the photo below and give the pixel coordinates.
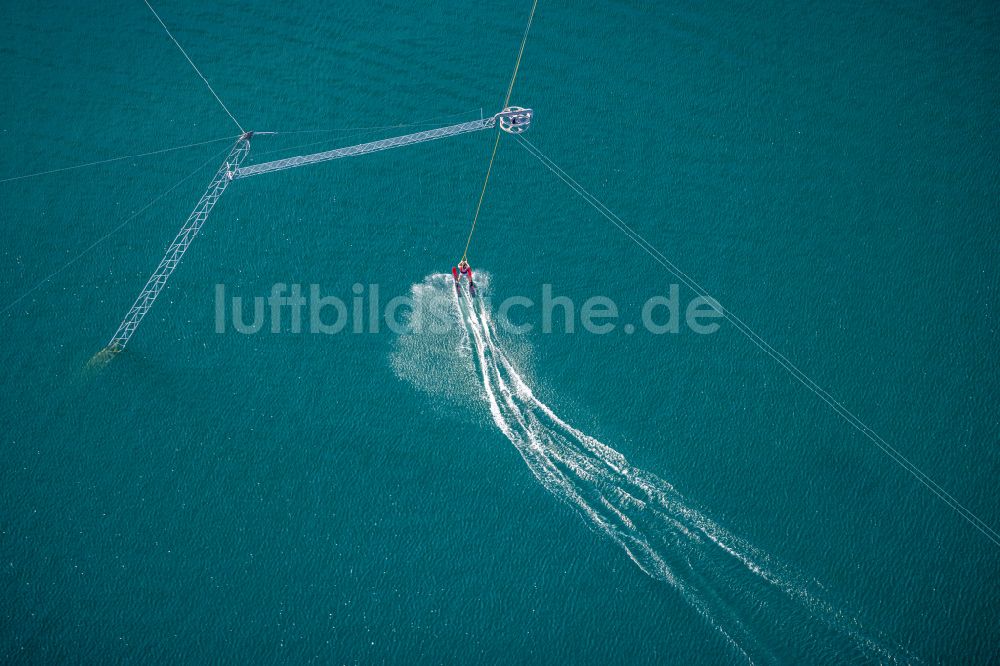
(466, 270)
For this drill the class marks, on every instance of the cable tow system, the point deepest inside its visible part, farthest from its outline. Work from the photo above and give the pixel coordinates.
(513, 120)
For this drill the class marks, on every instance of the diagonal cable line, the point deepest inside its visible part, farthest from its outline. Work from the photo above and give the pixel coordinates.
(764, 346)
(224, 108)
(496, 143)
(116, 159)
(107, 235)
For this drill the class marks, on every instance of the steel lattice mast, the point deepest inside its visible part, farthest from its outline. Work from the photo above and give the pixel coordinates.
(511, 119)
(365, 148)
(175, 251)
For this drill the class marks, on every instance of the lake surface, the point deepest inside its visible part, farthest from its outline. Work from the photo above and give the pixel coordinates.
(828, 172)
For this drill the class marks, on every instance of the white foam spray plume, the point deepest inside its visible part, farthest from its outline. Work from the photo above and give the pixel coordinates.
(725, 579)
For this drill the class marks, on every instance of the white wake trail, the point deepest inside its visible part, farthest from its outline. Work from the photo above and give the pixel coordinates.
(574, 467)
(724, 578)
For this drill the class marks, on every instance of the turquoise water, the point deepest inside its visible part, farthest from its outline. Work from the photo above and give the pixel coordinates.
(829, 173)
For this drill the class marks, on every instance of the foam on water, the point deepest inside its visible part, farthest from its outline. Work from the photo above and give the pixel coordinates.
(727, 580)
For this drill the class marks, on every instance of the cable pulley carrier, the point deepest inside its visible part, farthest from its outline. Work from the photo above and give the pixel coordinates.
(513, 120)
